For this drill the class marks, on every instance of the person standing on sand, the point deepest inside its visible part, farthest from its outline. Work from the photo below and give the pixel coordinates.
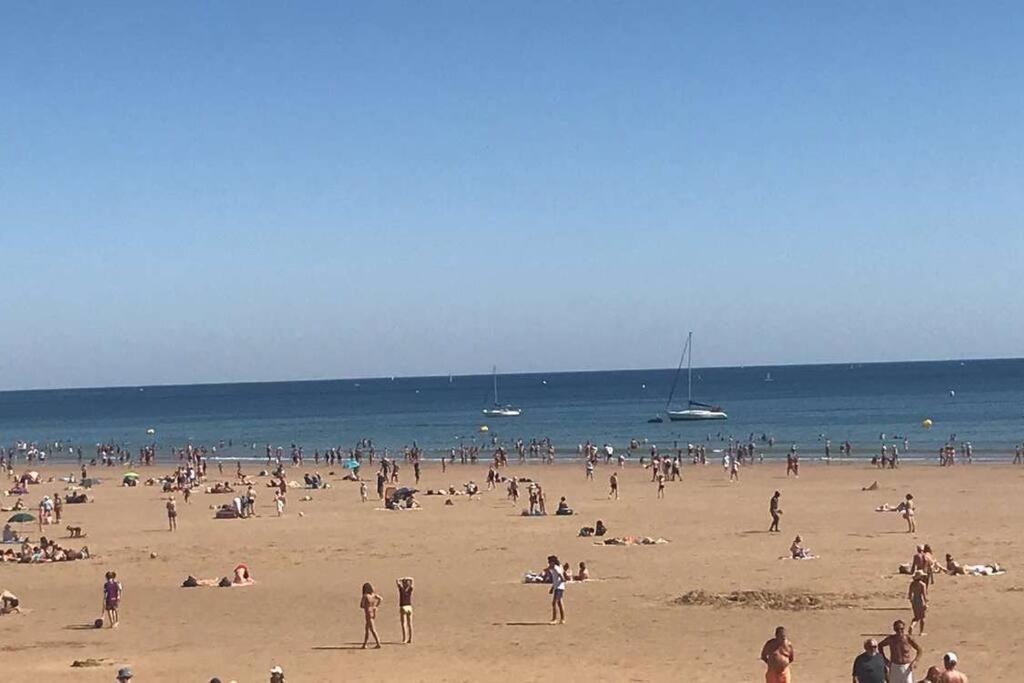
(908, 514)
(661, 485)
(778, 655)
(557, 590)
(951, 675)
(369, 604)
(918, 596)
(869, 666)
(613, 481)
(172, 514)
(362, 491)
(112, 592)
(774, 511)
(734, 469)
(900, 662)
(405, 607)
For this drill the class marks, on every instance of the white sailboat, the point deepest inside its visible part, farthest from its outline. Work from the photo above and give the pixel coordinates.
(694, 410)
(499, 410)
(768, 377)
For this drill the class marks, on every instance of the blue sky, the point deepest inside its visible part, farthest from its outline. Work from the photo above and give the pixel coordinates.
(262, 190)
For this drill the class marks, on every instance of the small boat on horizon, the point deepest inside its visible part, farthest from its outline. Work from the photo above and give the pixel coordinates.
(499, 410)
(768, 377)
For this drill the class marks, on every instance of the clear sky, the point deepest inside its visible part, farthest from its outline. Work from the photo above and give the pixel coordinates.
(268, 190)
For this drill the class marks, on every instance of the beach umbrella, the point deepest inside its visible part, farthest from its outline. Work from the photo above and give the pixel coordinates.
(21, 517)
(130, 475)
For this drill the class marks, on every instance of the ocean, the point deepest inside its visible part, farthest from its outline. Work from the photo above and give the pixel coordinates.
(981, 401)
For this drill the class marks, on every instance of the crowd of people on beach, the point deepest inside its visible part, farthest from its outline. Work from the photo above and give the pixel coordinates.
(890, 660)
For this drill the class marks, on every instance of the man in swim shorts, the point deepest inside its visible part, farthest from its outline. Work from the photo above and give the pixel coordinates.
(900, 660)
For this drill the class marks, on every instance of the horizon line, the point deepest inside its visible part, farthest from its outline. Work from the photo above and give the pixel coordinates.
(532, 372)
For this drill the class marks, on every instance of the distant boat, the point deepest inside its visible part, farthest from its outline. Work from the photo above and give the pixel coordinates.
(694, 410)
(499, 410)
(768, 377)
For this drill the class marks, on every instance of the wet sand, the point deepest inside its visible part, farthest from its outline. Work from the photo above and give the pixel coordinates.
(474, 618)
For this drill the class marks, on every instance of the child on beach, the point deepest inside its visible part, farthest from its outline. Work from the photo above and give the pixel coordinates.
(279, 502)
(405, 607)
(362, 491)
(369, 604)
(112, 592)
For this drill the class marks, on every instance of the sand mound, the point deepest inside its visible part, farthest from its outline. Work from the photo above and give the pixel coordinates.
(792, 601)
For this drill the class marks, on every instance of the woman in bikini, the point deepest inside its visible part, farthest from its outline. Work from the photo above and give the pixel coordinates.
(369, 604)
(908, 514)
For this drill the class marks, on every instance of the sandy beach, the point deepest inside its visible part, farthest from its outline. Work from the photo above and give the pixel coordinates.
(474, 616)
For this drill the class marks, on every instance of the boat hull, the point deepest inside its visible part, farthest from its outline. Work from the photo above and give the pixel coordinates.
(502, 412)
(695, 415)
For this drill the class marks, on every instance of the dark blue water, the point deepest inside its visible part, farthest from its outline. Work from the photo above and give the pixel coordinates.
(802, 405)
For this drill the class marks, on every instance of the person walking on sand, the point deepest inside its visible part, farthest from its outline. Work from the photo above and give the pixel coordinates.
(900, 660)
(774, 511)
(734, 469)
(369, 604)
(112, 592)
(172, 514)
(778, 655)
(557, 590)
(951, 675)
(613, 482)
(661, 485)
(918, 596)
(405, 607)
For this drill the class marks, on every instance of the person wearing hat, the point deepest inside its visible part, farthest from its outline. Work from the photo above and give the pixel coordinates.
(900, 662)
(951, 675)
(124, 674)
(869, 666)
(277, 675)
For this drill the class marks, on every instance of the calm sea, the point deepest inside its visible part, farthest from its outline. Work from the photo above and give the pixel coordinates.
(981, 401)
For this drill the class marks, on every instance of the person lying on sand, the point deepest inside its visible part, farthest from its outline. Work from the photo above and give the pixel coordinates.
(633, 540)
(954, 568)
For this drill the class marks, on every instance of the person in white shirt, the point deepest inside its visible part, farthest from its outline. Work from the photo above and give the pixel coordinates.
(557, 590)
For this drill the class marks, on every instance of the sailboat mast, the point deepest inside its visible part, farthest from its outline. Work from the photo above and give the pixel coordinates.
(494, 370)
(679, 368)
(689, 370)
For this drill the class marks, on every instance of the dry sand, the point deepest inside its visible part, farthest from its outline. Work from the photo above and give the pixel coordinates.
(475, 619)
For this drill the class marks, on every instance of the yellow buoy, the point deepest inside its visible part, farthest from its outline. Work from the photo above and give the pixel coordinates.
(926, 423)
(484, 428)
